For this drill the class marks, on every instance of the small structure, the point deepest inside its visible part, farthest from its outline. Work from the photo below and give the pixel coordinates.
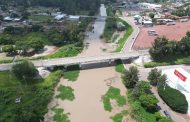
(8, 19)
(120, 26)
(136, 17)
(179, 79)
(73, 18)
(149, 6)
(60, 17)
(18, 100)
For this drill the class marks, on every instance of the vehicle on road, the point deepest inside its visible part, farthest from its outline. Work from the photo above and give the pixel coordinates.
(167, 114)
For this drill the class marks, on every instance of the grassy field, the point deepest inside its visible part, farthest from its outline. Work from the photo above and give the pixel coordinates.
(119, 116)
(60, 116)
(123, 40)
(119, 67)
(41, 18)
(35, 96)
(66, 93)
(113, 93)
(65, 51)
(176, 60)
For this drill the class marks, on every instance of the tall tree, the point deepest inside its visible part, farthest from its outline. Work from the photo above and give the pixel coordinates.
(131, 77)
(25, 70)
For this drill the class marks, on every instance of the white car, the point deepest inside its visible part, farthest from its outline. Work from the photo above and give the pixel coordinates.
(170, 23)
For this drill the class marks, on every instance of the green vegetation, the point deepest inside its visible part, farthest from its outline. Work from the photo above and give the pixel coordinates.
(123, 40)
(165, 52)
(119, 67)
(173, 98)
(34, 97)
(41, 18)
(31, 40)
(66, 93)
(155, 77)
(25, 71)
(113, 94)
(119, 116)
(60, 116)
(67, 6)
(111, 24)
(140, 113)
(72, 73)
(182, 11)
(131, 78)
(65, 51)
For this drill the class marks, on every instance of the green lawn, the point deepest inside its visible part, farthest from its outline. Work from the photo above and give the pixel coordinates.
(60, 116)
(72, 73)
(35, 96)
(119, 116)
(113, 93)
(65, 51)
(41, 18)
(66, 93)
(119, 67)
(123, 40)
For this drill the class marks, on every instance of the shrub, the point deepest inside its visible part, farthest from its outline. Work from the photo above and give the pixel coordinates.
(25, 70)
(148, 101)
(173, 98)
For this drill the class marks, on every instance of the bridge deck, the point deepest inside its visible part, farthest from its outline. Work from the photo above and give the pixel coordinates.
(76, 60)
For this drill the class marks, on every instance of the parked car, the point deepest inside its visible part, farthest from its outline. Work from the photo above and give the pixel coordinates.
(183, 20)
(170, 23)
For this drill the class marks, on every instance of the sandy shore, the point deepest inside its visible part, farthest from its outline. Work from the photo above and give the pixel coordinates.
(88, 90)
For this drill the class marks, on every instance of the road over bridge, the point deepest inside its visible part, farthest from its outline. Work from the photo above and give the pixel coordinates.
(78, 60)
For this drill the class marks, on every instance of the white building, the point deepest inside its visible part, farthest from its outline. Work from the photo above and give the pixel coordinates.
(149, 6)
(8, 18)
(74, 18)
(61, 16)
(179, 79)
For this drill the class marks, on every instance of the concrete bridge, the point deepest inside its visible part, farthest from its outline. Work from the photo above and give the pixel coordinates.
(108, 58)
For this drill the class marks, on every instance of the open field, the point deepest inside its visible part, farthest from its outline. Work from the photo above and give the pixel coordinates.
(173, 32)
(41, 18)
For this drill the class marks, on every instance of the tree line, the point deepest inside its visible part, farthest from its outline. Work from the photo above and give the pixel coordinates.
(68, 6)
(163, 49)
(182, 11)
(36, 37)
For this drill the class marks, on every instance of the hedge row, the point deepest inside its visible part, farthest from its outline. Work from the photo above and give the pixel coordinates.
(173, 98)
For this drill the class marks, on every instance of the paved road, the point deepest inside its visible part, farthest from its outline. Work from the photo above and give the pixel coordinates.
(130, 41)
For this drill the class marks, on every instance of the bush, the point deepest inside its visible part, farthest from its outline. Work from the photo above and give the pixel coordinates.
(148, 101)
(173, 98)
(25, 70)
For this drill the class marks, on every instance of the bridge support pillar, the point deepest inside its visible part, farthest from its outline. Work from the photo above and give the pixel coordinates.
(80, 65)
(110, 61)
